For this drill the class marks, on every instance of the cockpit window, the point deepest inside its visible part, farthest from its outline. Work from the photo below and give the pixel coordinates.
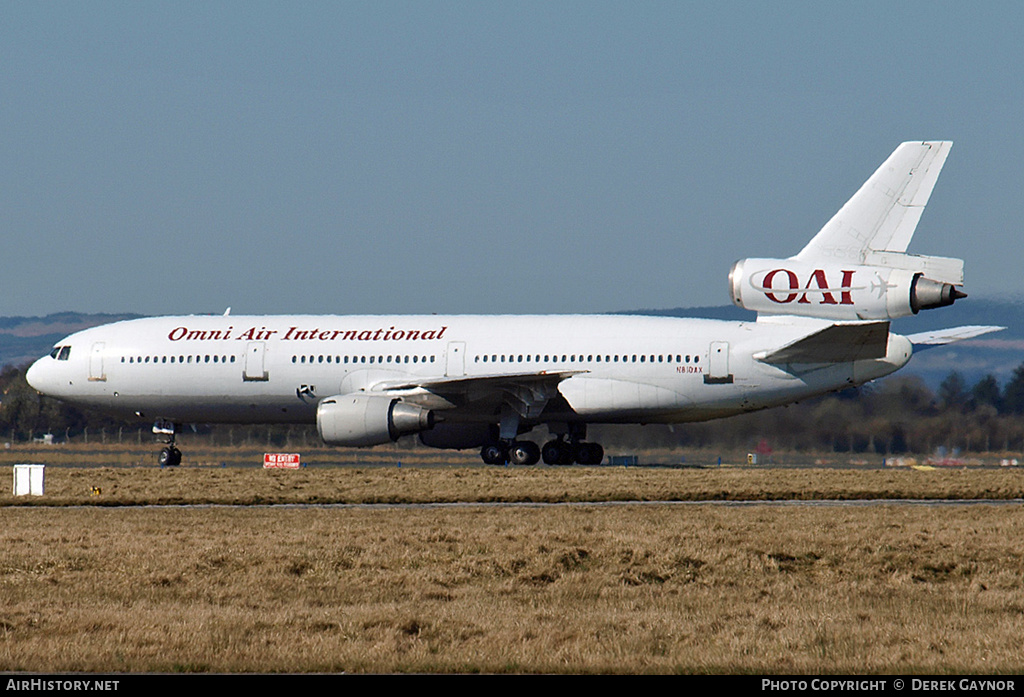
(55, 351)
(63, 354)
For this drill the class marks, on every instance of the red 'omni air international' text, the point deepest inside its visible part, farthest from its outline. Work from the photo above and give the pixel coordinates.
(313, 334)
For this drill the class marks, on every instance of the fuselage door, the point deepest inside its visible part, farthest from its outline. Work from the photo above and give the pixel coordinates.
(456, 359)
(255, 369)
(718, 364)
(96, 373)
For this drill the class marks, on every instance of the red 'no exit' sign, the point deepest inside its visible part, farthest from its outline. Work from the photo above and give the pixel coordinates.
(280, 460)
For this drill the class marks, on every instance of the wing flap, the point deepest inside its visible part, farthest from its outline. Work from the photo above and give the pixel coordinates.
(471, 383)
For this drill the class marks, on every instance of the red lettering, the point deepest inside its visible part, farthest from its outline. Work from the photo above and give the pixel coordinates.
(817, 282)
(818, 277)
(794, 284)
(296, 334)
(847, 298)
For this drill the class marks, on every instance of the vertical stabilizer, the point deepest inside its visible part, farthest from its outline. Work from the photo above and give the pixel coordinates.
(883, 214)
(857, 266)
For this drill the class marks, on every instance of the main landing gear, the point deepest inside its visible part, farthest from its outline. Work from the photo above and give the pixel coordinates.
(170, 456)
(562, 452)
(517, 452)
(569, 448)
(566, 449)
(555, 452)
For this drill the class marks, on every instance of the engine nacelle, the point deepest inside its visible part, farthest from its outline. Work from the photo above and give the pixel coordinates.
(846, 292)
(357, 420)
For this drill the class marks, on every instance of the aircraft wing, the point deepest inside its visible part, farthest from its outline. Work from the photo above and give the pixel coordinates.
(467, 383)
(941, 337)
(526, 393)
(836, 343)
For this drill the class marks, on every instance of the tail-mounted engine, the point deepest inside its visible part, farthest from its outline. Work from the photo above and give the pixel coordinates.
(898, 286)
(356, 420)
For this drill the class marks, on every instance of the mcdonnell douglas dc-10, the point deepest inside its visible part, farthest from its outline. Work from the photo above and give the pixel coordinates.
(483, 381)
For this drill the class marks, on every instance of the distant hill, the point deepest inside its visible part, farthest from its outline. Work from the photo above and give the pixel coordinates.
(23, 339)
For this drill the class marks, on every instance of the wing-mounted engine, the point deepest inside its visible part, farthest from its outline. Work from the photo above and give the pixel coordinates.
(356, 420)
(905, 286)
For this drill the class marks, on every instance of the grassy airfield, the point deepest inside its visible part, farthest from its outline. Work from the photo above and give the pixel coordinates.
(88, 583)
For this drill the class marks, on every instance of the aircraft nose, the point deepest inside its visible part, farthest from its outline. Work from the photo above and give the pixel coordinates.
(36, 375)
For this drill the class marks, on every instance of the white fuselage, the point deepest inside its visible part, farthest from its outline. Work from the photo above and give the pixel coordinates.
(481, 381)
(609, 368)
(463, 381)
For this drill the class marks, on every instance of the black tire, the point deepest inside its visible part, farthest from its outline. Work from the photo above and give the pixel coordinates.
(556, 452)
(523, 452)
(549, 453)
(494, 454)
(589, 454)
(169, 457)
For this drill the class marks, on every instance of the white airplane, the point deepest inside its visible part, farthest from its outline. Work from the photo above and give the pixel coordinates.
(482, 381)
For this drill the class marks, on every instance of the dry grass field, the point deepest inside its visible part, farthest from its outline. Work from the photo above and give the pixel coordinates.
(120, 486)
(91, 583)
(116, 475)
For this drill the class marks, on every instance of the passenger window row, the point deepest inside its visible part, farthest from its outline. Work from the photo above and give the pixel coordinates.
(591, 358)
(178, 359)
(377, 360)
(363, 359)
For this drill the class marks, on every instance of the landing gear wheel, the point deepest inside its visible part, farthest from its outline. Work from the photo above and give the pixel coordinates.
(523, 452)
(494, 454)
(557, 452)
(169, 457)
(589, 453)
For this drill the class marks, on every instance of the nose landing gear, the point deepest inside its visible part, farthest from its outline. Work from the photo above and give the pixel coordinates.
(169, 456)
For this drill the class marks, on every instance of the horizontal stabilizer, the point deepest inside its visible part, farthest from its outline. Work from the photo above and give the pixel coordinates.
(941, 337)
(837, 343)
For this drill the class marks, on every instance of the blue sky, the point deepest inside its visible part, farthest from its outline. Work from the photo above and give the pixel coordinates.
(481, 157)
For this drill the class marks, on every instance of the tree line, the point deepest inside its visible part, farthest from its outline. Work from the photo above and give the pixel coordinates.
(898, 415)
